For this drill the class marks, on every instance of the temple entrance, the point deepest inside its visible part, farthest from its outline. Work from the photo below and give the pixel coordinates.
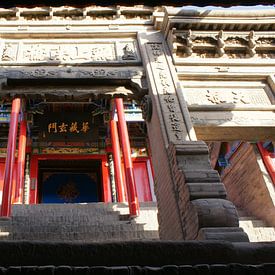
(69, 181)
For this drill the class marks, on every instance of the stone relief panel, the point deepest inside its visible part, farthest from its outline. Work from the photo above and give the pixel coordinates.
(236, 103)
(69, 51)
(239, 94)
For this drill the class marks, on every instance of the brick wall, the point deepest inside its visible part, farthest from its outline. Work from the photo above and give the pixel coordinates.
(188, 213)
(168, 215)
(245, 185)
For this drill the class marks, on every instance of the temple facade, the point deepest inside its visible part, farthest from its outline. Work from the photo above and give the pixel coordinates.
(140, 106)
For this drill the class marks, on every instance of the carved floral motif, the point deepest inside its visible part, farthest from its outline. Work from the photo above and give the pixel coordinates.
(68, 192)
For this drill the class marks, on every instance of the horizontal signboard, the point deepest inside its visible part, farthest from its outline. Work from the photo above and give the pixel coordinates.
(66, 126)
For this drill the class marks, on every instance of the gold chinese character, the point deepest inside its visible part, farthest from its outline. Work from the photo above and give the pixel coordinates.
(63, 128)
(52, 127)
(85, 127)
(73, 128)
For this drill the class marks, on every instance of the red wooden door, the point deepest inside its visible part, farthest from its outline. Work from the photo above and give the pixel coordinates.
(142, 181)
(2, 171)
(2, 174)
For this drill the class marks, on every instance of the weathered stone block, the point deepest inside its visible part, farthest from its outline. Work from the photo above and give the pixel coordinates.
(216, 213)
(200, 190)
(232, 234)
(202, 176)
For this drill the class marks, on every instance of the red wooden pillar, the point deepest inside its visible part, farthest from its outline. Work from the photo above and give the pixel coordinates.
(21, 162)
(7, 188)
(128, 165)
(117, 161)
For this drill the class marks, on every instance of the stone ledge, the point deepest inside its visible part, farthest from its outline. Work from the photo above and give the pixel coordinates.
(232, 234)
(202, 269)
(154, 253)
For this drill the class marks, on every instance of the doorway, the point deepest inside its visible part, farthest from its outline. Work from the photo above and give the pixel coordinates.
(69, 181)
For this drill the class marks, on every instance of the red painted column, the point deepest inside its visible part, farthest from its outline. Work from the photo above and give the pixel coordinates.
(21, 162)
(7, 188)
(266, 156)
(128, 165)
(117, 161)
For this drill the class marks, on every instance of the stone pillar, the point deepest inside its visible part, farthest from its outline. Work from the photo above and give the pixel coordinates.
(191, 198)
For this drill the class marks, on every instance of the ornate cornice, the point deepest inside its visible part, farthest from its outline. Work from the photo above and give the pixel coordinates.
(219, 44)
(215, 19)
(72, 14)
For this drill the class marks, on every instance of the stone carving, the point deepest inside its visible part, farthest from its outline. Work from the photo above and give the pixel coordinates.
(9, 52)
(265, 41)
(252, 44)
(128, 53)
(38, 72)
(257, 95)
(218, 98)
(204, 40)
(239, 46)
(69, 52)
(236, 40)
(166, 92)
(187, 40)
(147, 108)
(220, 43)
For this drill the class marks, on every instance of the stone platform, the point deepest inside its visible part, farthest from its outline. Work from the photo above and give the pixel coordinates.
(91, 222)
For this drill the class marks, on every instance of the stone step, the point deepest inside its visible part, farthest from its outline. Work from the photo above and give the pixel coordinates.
(261, 234)
(251, 222)
(94, 236)
(81, 222)
(257, 230)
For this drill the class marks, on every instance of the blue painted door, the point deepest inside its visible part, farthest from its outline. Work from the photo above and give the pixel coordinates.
(69, 188)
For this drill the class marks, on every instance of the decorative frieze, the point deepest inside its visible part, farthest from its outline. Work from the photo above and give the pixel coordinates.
(95, 13)
(69, 52)
(231, 45)
(74, 72)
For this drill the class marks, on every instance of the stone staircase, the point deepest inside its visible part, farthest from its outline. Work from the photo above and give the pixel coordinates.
(91, 222)
(256, 229)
